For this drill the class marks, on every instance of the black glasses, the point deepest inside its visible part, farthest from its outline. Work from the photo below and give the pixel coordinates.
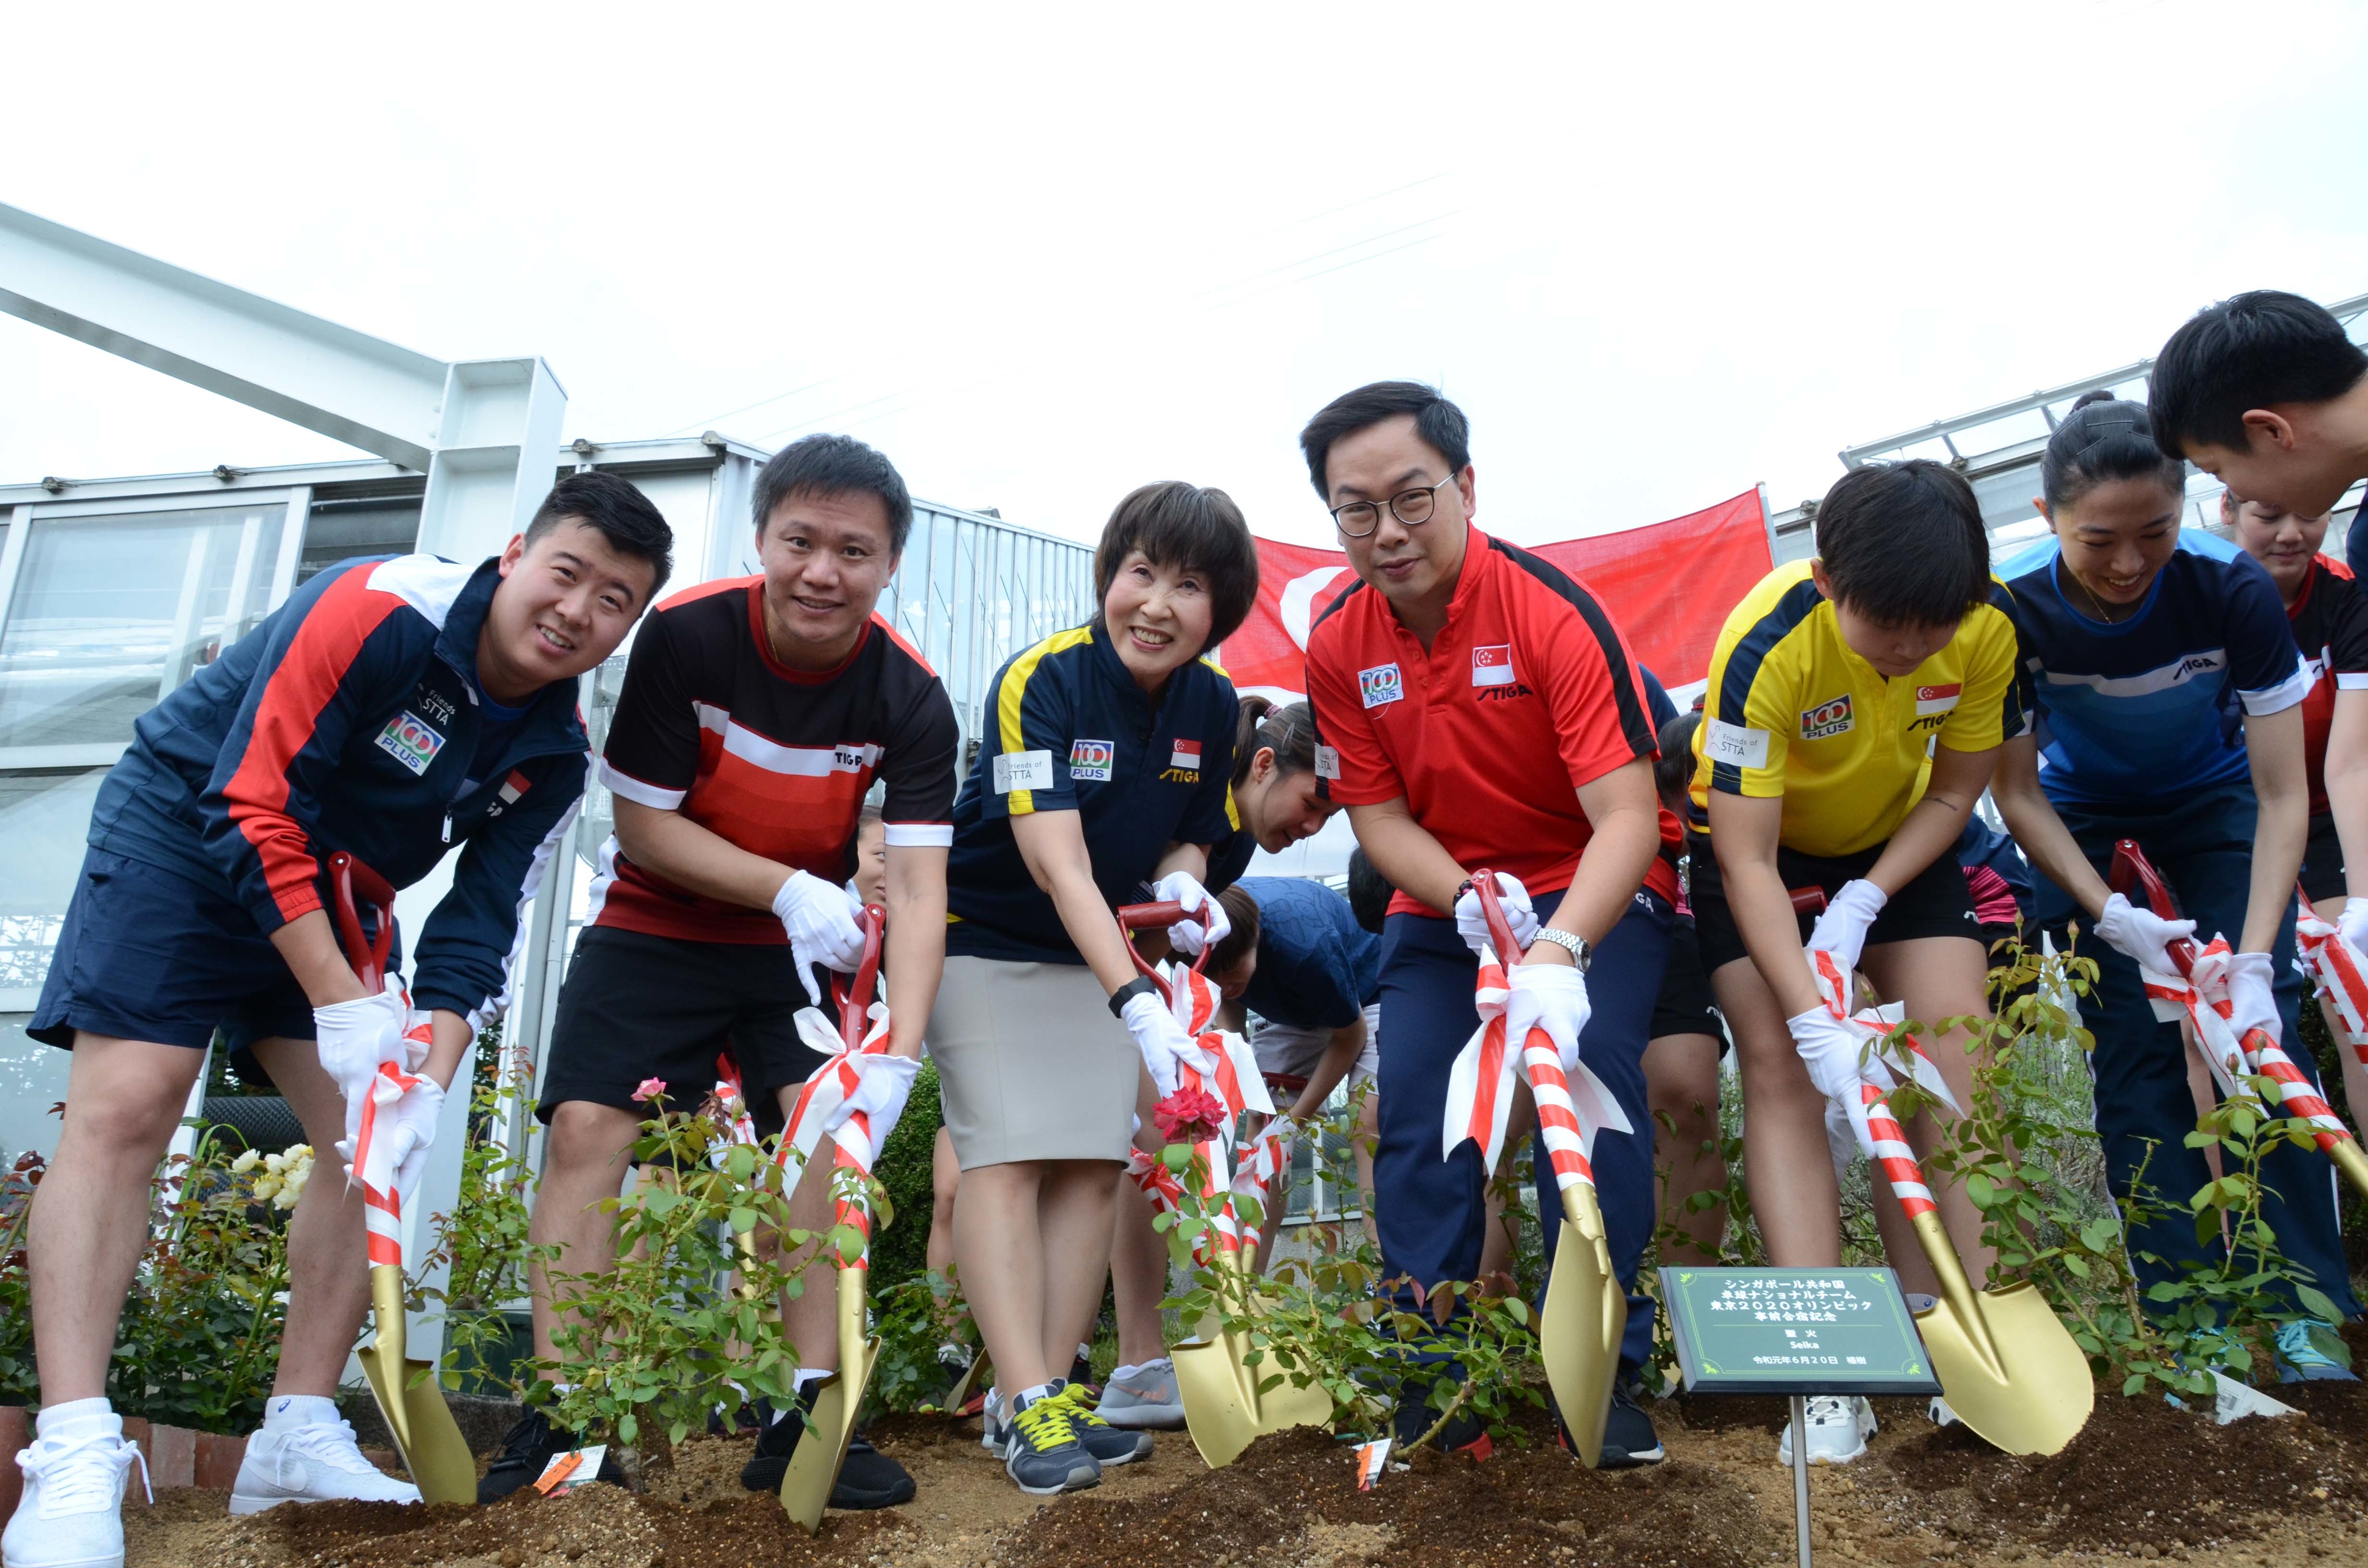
(1411, 508)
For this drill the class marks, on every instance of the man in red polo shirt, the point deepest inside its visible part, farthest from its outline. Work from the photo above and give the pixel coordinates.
(1475, 707)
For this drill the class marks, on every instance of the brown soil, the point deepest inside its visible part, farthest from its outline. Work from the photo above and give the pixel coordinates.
(2142, 1481)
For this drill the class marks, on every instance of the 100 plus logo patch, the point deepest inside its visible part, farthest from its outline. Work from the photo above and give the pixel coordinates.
(1091, 759)
(408, 739)
(1379, 684)
(1831, 717)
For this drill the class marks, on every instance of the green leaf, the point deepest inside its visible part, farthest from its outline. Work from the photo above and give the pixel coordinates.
(743, 1221)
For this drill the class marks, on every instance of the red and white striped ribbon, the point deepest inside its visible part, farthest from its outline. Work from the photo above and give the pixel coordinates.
(1259, 1178)
(1480, 1088)
(2256, 1054)
(1895, 1047)
(373, 1166)
(1886, 1145)
(826, 1089)
(2341, 976)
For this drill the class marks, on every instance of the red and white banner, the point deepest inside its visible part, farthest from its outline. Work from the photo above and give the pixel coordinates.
(1668, 586)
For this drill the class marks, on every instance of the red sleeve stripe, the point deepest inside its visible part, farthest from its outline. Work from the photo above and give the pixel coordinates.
(898, 638)
(298, 687)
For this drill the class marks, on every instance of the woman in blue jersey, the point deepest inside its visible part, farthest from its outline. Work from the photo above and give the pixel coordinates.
(1101, 780)
(2161, 699)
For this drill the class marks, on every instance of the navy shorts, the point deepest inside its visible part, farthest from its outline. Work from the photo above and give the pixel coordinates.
(148, 954)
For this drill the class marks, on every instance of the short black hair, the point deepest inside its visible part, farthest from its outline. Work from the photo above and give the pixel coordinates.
(1436, 420)
(615, 509)
(1903, 543)
(833, 465)
(2105, 437)
(1194, 528)
(1673, 770)
(2256, 351)
(1368, 892)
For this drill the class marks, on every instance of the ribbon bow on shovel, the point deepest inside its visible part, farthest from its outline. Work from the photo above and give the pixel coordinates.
(2341, 975)
(2199, 992)
(1227, 1405)
(837, 1399)
(2007, 1364)
(1586, 1312)
(424, 1433)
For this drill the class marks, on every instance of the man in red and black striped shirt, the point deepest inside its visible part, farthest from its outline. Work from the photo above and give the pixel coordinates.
(756, 714)
(1477, 708)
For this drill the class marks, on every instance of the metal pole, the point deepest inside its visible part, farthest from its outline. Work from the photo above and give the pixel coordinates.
(1800, 1475)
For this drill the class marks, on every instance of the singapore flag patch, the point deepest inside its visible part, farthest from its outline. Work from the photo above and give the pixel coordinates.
(1493, 666)
(1186, 755)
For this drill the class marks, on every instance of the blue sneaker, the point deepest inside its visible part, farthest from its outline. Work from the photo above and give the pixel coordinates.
(2300, 1361)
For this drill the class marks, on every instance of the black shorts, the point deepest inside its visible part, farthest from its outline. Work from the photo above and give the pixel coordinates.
(1937, 902)
(149, 954)
(1684, 1005)
(638, 1006)
(2322, 860)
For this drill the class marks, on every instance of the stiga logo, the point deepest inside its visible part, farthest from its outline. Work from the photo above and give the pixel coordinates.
(1380, 684)
(410, 741)
(1831, 717)
(1091, 759)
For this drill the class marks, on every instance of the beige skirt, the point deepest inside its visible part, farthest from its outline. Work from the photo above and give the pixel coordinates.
(1030, 1064)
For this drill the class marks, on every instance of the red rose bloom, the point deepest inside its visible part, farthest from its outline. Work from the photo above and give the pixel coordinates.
(1189, 1115)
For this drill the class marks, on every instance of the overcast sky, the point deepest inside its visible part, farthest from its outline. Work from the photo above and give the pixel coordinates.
(1040, 257)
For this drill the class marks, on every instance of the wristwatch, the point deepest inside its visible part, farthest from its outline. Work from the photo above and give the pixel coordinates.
(1581, 950)
(1139, 987)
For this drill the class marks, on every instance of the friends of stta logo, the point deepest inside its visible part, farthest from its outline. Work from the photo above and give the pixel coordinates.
(1831, 717)
(1091, 760)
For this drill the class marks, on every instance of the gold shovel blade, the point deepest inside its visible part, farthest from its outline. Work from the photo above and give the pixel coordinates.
(2037, 1395)
(424, 1433)
(822, 1448)
(1586, 1316)
(1223, 1410)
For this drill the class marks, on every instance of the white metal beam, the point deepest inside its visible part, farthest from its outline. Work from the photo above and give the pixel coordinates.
(358, 389)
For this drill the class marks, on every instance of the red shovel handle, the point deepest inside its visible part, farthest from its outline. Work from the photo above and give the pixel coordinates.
(1808, 901)
(2131, 869)
(1492, 909)
(354, 884)
(1133, 917)
(855, 999)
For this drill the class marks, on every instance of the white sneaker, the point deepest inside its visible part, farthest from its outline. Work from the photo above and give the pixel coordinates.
(72, 1512)
(1940, 1411)
(1838, 1429)
(1144, 1398)
(312, 1463)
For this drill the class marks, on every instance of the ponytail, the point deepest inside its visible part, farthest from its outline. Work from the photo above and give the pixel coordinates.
(1289, 733)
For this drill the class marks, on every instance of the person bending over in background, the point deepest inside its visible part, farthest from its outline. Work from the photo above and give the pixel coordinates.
(2328, 613)
(2166, 690)
(1476, 708)
(389, 708)
(1274, 791)
(756, 713)
(1688, 1038)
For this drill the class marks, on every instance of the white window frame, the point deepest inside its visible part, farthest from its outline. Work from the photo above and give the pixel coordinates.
(296, 498)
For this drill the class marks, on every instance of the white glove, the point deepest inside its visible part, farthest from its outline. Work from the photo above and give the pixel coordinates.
(820, 919)
(2141, 933)
(408, 1128)
(1163, 1041)
(1186, 936)
(1842, 929)
(1472, 925)
(2252, 1001)
(2352, 924)
(881, 1093)
(1835, 1055)
(1549, 997)
(354, 1038)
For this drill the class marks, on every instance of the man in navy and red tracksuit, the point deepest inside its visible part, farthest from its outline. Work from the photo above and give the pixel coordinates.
(391, 708)
(1476, 708)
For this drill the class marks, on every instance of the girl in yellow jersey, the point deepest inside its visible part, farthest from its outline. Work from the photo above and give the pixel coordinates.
(1856, 706)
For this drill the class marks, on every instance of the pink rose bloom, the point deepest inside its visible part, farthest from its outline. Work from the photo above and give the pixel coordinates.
(651, 1090)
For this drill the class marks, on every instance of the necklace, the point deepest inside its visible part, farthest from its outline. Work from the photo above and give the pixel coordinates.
(2104, 611)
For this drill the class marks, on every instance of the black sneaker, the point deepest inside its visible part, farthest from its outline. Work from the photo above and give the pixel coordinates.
(1628, 1437)
(1081, 1375)
(1413, 1418)
(1108, 1444)
(869, 1479)
(1042, 1455)
(527, 1452)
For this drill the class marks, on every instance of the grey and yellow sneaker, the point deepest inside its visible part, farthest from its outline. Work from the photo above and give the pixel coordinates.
(1041, 1452)
(1105, 1442)
(1144, 1398)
